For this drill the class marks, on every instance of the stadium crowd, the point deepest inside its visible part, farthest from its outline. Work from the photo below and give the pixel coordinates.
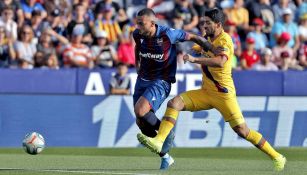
(267, 35)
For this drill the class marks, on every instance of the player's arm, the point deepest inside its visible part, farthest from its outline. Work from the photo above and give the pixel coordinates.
(136, 51)
(137, 59)
(205, 44)
(217, 61)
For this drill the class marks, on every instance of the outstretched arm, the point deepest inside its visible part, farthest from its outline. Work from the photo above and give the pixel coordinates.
(202, 42)
(217, 61)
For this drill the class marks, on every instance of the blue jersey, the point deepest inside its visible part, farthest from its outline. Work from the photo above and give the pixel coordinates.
(157, 55)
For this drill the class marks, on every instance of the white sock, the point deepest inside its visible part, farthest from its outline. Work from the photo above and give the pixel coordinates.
(165, 156)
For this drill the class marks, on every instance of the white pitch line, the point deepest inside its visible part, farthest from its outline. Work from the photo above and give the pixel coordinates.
(75, 171)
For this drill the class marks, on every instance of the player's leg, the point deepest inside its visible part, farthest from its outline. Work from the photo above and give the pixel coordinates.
(229, 108)
(190, 101)
(149, 101)
(260, 142)
(141, 107)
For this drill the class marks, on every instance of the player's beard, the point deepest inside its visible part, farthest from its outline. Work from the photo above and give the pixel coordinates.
(209, 32)
(145, 33)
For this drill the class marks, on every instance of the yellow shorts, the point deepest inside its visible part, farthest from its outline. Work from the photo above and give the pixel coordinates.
(226, 104)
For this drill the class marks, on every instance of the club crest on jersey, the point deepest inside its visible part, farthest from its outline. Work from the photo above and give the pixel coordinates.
(160, 41)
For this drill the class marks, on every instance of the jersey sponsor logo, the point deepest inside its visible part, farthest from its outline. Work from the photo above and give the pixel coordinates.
(156, 57)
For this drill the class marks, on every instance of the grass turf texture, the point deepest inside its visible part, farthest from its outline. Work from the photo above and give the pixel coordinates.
(215, 161)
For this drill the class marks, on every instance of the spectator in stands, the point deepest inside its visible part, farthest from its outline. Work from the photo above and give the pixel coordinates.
(7, 52)
(267, 15)
(36, 23)
(265, 63)
(28, 6)
(286, 25)
(185, 16)
(120, 82)
(7, 20)
(56, 22)
(202, 5)
(126, 50)
(104, 53)
(230, 28)
(282, 5)
(114, 7)
(239, 15)
(109, 25)
(79, 19)
(46, 45)
(249, 56)
(302, 29)
(15, 5)
(283, 55)
(301, 8)
(302, 56)
(25, 48)
(77, 54)
(63, 6)
(89, 14)
(261, 40)
(39, 59)
(52, 61)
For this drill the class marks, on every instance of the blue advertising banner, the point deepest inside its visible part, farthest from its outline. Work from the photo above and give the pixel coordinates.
(96, 82)
(38, 81)
(108, 121)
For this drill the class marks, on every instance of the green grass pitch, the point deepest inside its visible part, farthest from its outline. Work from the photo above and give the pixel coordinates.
(136, 161)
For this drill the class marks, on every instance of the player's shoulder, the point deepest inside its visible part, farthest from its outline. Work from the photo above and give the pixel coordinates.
(135, 32)
(225, 36)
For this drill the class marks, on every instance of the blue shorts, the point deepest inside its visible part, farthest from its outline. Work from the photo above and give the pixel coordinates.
(155, 92)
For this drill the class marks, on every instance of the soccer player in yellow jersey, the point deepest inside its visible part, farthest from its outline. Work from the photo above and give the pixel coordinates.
(217, 92)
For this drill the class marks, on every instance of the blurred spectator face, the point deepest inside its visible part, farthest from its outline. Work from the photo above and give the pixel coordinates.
(287, 18)
(39, 59)
(45, 40)
(250, 43)
(283, 2)
(7, 2)
(266, 56)
(85, 3)
(52, 61)
(102, 41)
(108, 14)
(31, 2)
(122, 70)
(145, 25)
(77, 39)
(239, 3)
(7, 14)
(26, 34)
(80, 11)
(36, 17)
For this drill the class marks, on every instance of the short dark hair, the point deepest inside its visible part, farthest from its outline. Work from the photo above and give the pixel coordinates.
(146, 12)
(216, 15)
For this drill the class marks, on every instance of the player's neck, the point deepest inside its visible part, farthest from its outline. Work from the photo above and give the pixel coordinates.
(216, 34)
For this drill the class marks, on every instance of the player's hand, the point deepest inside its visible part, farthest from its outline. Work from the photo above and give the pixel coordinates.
(218, 50)
(189, 58)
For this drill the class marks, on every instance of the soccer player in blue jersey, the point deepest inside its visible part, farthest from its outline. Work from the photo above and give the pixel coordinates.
(156, 63)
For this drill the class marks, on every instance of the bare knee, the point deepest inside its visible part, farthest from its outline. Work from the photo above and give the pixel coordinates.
(141, 107)
(242, 130)
(176, 103)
